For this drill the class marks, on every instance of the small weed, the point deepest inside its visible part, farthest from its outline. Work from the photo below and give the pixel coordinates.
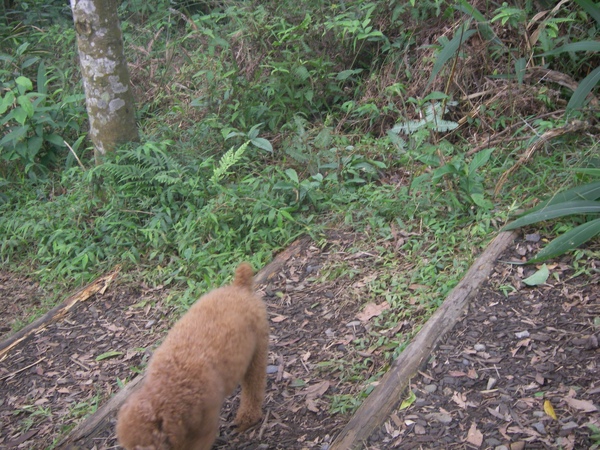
(34, 415)
(85, 408)
(345, 403)
(594, 435)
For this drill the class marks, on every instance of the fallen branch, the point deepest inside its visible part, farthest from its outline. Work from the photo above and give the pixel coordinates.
(98, 286)
(384, 398)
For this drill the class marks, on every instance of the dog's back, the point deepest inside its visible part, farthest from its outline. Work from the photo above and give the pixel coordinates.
(221, 341)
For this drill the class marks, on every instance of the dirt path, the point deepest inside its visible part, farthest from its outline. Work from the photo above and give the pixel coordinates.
(481, 380)
(521, 370)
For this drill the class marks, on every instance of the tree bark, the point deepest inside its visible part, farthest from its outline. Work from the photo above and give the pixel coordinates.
(109, 98)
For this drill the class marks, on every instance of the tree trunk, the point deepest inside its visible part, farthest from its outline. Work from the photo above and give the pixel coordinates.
(109, 99)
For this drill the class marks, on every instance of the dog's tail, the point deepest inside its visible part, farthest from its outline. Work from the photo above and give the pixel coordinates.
(244, 276)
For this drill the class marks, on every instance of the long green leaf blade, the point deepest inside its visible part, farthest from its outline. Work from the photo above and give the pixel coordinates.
(588, 171)
(569, 241)
(450, 50)
(585, 87)
(554, 211)
(482, 23)
(590, 191)
(582, 46)
(42, 79)
(590, 7)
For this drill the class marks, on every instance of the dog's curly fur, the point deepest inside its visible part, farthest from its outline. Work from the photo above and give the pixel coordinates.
(220, 342)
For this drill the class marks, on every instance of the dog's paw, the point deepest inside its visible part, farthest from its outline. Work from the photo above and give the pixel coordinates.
(245, 420)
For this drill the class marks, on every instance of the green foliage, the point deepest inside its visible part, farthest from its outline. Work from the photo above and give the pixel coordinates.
(345, 403)
(461, 176)
(144, 207)
(433, 110)
(582, 201)
(264, 122)
(510, 15)
(449, 49)
(229, 159)
(39, 13)
(280, 68)
(36, 124)
(594, 436)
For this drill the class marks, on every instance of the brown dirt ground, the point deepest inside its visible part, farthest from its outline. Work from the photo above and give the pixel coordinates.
(517, 355)
(484, 386)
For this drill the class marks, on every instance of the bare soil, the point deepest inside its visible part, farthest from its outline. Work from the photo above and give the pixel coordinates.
(485, 385)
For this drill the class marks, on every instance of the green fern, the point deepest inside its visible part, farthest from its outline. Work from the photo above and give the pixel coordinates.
(229, 159)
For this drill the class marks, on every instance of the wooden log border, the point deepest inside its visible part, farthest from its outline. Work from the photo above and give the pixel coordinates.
(387, 395)
(102, 417)
(97, 286)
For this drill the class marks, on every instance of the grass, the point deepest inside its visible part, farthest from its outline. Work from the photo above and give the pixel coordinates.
(259, 125)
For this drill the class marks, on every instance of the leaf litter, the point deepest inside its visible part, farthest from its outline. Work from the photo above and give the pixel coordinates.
(483, 387)
(534, 351)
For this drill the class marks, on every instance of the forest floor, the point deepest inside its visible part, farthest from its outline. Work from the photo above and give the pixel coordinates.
(520, 370)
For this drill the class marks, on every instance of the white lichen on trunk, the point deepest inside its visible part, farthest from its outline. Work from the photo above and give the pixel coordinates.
(109, 98)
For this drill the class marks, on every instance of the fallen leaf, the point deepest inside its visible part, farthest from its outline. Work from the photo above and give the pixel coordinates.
(497, 414)
(472, 374)
(566, 442)
(504, 432)
(298, 383)
(522, 343)
(461, 400)
(312, 405)
(414, 287)
(278, 318)
(539, 277)
(549, 409)
(107, 355)
(456, 373)
(581, 405)
(474, 436)
(408, 401)
(372, 310)
(539, 379)
(316, 390)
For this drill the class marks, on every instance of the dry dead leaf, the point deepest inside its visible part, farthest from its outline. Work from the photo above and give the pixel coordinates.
(521, 343)
(474, 436)
(472, 374)
(414, 287)
(312, 405)
(316, 390)
(461, 400)
(580, 405)
(372, 310)
(278, 318)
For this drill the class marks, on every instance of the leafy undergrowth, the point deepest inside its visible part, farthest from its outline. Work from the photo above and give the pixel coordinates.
(261, 123)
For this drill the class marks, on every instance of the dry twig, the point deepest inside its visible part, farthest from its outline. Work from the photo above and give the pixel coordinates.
(576, 125)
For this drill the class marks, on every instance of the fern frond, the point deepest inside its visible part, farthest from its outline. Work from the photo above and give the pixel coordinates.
(229, 159)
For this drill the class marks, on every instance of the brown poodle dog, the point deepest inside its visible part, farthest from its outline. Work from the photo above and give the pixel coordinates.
(220, 342)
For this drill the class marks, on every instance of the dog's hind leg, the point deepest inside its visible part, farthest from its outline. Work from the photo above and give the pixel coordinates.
(253, 388)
